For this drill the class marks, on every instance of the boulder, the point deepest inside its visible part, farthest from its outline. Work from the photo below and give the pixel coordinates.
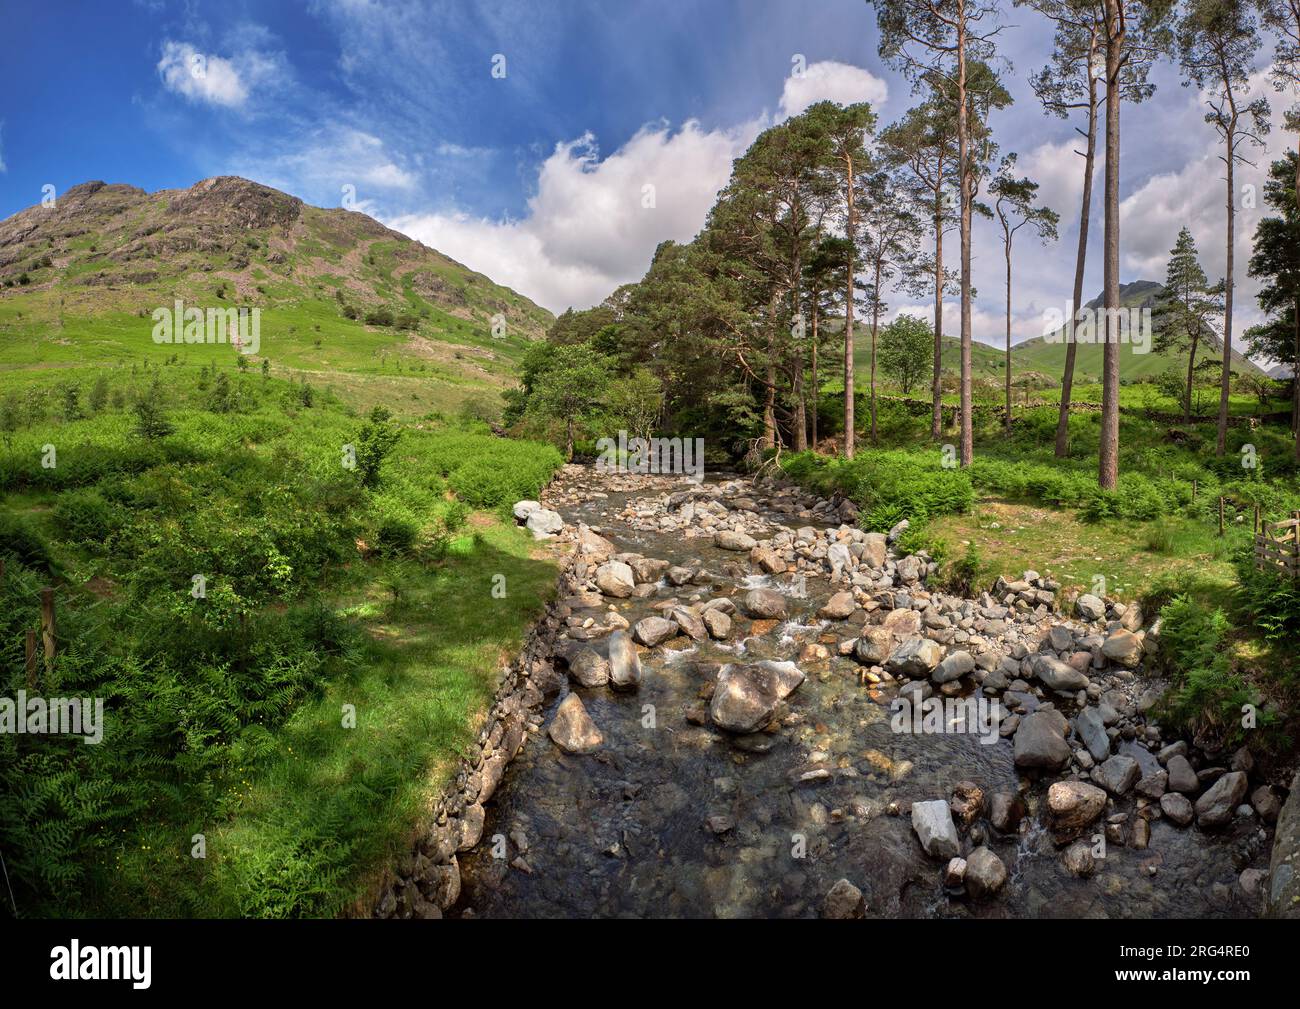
(614, 578)
(1123, 647)
(544, 523)
(746, 696)
(1058, 675)
(1074, 806)
(647, 570)
(653, 631)
(933, 824)
(1220, 801)
(624, 663)
(1181, 776)
(839, 557)
(730, 539)
(838, 607)
(593, 546)
(874, 550)
(1006, 810)
(915, 657)
(691, 625)
(589, 669)
(1177, 808)
(1118, 774)
(1090, 727)
(763, 604)
(572, 729)
(844, 901)
(874, 646)
(1089, 607)
(1040, 741)
(985, 873)
(523, 509)
(1079, 860)
(953, 667)
(717, 623)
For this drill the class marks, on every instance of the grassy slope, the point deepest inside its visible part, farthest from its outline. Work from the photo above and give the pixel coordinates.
(115, 254)
(301, 819)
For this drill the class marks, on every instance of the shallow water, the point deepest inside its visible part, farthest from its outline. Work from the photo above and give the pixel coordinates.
(624, 832)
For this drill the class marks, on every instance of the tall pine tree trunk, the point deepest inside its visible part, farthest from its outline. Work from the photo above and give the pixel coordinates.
(816, 295)
(1008, 417)
(1080, 266)
(875, 329)
(849, 419)
(936, 422)
(964, 171)
(1108, 452)
(1225, 381)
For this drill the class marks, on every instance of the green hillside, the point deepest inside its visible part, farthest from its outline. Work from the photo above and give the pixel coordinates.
(1047, 357)
(355, 306)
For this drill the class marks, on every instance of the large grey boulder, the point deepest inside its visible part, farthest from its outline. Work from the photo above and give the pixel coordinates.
(588, 669)
(953, 667)
(1118, 774)
(985, 873)
(1040, 741)
(1074, 806)
(544, 523)
(916, 657)
(572, 729)
(1089, 607)
(523, 509)
(1181, 776)
(746, 696)
(652, 631)
(763, 604)
(1123, 647)
(1177, 808)
(838, 607)
(1058, 675)
(1220, 801)
(933, 824)
(730, 539)
(1092, 730)
(614, 578)
(624, 663)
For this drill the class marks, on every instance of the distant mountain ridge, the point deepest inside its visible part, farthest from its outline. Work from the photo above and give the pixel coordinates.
(101, 246)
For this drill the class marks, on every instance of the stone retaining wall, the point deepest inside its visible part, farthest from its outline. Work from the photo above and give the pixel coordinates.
(427, 880)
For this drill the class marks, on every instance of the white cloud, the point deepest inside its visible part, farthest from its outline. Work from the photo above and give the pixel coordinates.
(200, 77)
(831, 81)
(205, 77)
(588, 227)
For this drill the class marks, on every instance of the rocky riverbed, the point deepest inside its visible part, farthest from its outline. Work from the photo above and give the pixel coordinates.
(750, 707)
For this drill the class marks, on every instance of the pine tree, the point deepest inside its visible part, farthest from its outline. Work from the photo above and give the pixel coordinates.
(1185, 310)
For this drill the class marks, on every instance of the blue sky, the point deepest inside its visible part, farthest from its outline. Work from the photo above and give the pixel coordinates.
(536, 177)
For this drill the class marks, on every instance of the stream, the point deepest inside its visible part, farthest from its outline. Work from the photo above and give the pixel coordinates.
(671, 817)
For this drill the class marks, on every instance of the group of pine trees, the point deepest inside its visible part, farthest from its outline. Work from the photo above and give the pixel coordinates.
(829, 210)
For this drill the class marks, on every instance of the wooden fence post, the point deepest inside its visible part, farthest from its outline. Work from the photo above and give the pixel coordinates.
(1193, 490)
(31, 659)
(1256, 520)
(1220, 514)
(47, 629)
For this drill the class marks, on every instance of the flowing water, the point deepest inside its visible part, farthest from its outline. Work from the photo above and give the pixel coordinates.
(671, 818)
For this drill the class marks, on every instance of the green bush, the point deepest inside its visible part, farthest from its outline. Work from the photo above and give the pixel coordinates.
(83, 516)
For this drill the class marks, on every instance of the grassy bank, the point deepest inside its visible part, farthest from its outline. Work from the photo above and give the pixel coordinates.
(288, 610)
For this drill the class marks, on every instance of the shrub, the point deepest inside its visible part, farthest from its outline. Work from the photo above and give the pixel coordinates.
(83, 516)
